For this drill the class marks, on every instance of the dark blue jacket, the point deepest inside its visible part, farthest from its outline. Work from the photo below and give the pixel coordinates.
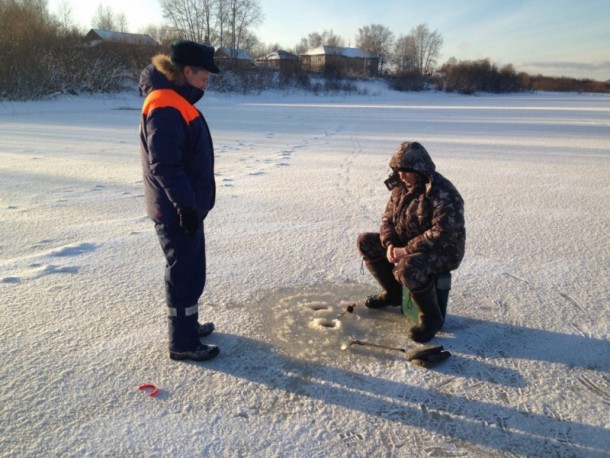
(176, 149)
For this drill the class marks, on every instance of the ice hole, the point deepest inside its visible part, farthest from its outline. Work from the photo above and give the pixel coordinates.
(315, 306)
(326, 323)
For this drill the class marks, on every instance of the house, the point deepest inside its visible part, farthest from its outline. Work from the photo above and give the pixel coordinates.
(233, 58)
(98, 36)
(280, 60)
(346, 61)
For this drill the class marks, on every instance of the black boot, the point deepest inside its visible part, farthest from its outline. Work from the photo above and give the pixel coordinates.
(430, 317)
(443, 286)
(201, 353)
(381, 270)
(205, 329)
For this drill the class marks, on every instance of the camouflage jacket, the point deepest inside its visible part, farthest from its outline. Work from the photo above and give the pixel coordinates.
(427, 217)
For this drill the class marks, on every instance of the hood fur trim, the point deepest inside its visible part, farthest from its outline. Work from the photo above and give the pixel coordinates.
(170, 70)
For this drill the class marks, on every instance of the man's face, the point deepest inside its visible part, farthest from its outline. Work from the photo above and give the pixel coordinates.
(408, 177)
(197, 77)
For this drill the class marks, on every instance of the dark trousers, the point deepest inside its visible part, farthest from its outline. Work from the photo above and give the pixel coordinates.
(184, 282)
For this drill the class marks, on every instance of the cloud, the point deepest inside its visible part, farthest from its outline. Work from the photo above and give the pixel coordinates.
(566, 65)
(599, 71)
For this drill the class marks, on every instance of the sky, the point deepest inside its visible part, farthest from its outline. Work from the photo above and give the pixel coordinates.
(555, 38)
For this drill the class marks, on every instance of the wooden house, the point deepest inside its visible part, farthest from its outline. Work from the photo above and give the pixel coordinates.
(98, 36)
(233, 58)
(339, 60)
(280, 60)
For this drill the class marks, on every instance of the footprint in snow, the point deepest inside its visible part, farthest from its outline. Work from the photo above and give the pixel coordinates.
(74, 250)
(40, 271)
(53, 269)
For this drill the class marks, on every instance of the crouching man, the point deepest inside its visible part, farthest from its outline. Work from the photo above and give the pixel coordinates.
(422, 235)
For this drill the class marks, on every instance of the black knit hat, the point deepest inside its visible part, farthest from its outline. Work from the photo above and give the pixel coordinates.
(184, 52)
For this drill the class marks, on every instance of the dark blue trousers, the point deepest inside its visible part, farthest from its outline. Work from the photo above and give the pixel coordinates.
(184, 283)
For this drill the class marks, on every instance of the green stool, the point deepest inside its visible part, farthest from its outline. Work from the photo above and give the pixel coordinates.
(443, 285)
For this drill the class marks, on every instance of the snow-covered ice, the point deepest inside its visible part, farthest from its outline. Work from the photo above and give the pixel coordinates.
(83, 316)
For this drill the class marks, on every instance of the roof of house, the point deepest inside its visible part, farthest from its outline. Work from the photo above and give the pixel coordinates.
(121, 37)
(354, 53)
(227, 52)
(280, 55)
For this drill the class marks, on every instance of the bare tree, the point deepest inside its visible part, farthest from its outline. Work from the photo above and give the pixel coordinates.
(190, 18)
(121, 22)
(262, 49)
(206, 11)
(316, 39)
(376, 39)
(243, 14)
(208, 17)
(428, 45)
(222, 20)
(329, 38)
(103, 18)
(219, 22)
(405, 52)
(162, 34)
(302, 46)
(26, 31)
(63, 16)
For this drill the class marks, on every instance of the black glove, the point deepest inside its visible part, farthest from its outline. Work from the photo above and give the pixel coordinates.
(427, 356)
(189, 222)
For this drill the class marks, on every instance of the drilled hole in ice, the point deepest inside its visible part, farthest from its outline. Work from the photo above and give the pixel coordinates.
(325, 323)
(318, 306)
(328, 324)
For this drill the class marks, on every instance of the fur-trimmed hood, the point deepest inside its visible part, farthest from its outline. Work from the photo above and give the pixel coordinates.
(164, 74)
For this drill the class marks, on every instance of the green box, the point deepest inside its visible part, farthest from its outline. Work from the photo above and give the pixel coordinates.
(408, 306)
(443, 286)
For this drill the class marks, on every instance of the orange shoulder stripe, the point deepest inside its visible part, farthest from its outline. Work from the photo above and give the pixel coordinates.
(162, 98)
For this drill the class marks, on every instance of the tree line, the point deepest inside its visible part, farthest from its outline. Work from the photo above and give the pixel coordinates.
(41, 56)
(45, 54)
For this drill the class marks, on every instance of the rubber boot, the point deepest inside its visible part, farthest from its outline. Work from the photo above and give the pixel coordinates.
(381, 270)
(443, 286)
(183, 330)
(430, 317)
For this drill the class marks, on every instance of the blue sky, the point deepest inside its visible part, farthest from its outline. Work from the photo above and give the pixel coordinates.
(552, 37)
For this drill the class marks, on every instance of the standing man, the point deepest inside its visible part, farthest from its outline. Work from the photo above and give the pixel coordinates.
(178, 164)
(422, 235)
